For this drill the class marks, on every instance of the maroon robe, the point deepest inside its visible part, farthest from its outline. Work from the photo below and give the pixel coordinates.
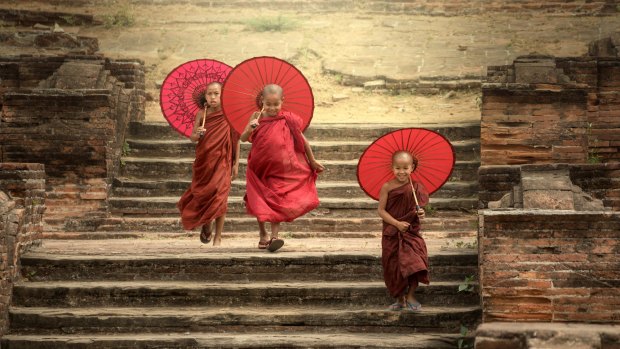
(404, 256)
(207, 196)
(280, 184)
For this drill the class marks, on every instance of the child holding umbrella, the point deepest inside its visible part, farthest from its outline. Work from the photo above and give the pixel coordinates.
(281, 170)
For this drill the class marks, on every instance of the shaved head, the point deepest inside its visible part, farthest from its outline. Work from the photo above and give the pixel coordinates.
(272, 89)
(402, 154)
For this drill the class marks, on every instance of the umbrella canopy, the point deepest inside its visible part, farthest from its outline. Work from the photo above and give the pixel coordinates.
(434, 153)
(183, 88)
(242, 90)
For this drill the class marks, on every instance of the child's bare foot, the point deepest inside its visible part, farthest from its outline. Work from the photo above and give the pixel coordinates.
(206, 233)
(412, 304)
(217, 241)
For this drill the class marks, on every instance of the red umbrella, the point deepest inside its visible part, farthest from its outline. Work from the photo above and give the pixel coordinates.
(433, 152)
(182, 89)
(243, 87)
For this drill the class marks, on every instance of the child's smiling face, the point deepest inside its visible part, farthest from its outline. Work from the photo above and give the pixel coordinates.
(402, 166)
(272, 103)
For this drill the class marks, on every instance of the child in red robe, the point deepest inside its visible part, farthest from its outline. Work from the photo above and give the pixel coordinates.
(281, 171)
(404, 257)
(216, 165)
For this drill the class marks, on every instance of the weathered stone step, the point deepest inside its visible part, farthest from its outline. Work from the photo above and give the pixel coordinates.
(335, 170)
(127, 187)
(231, 264)
(324, 132)
(240, 320)
(263, 339)
(446, 235)
(324, 150)
(328, 207)
(185, 293)
(453, 223)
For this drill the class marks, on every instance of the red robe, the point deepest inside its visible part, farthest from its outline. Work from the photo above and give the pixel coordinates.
(404, 256)
(207, 196)
(280, 183)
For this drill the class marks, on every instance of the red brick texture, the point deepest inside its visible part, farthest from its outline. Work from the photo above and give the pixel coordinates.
(22, 204)
(550, 110)
(74, 122)
(602, 181)
(542, 265)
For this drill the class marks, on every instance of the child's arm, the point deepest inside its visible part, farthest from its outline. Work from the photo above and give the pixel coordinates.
(252, 124)
(315, 165)
(235, 169)
(198, 130)
(383, 194)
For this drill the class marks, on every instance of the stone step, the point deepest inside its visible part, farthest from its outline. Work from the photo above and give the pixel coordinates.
(131, 187)
(262, 339)
(328, 207)
(323, 132)
(191, 293)
(236, 260)
(336, 170)
(452, 223)
(240, 320)
(467, 150)
(445, 235)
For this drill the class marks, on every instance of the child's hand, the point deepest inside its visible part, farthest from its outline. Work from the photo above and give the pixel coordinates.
(402, 226)
(234, 172)
(200, 131)
(316, 166)
(254, 119)
(421, 213)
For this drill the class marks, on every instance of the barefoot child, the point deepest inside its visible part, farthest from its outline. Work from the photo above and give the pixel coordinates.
(216, 165)
(404, 257)
(281, 170)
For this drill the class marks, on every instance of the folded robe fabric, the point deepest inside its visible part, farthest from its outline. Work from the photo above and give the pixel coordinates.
(207, 196)
(280, 184)
(404, 255)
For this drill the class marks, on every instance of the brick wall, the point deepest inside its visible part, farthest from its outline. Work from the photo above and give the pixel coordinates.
(602, 181)
(74, 122)
(544, 109)
(22, 203)
(550, 266)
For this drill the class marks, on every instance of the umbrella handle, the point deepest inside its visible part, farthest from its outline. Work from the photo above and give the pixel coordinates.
(415, 197)
(204, 117)
(261, 114)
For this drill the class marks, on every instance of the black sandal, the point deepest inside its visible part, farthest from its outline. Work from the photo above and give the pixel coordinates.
(205, 237)
(275, 244)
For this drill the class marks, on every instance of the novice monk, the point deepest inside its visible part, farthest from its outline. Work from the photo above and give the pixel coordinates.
(404, 257)
(281, 170)
(216, 165)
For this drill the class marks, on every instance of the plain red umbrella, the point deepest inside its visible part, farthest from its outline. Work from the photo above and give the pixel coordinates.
(243, 87)
(434, 153)
(180, 93)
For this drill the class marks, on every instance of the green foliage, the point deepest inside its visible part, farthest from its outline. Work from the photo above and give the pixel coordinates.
(594, 158)
(122, 18)
(461, 341)
(466, 285)
(126, 149)
(69, 19)
(429, 209)
(271, 24)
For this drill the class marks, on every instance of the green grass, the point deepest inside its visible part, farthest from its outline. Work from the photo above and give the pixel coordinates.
(271, 24)
(124, 17)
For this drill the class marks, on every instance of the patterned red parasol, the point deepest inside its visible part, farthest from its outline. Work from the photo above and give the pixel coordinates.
(434, 153)
(242, 89)
(180, 93)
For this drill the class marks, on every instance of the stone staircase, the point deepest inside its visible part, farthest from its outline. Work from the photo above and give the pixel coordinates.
(137, 280)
